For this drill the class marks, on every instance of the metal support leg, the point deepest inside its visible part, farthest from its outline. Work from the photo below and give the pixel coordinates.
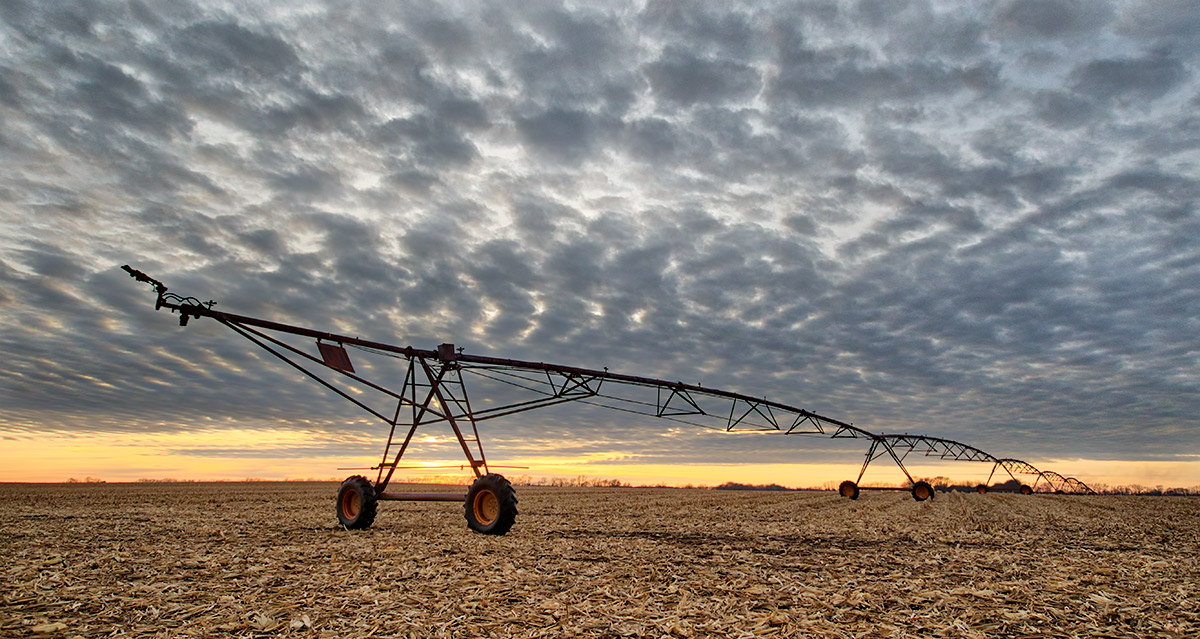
(867, 461)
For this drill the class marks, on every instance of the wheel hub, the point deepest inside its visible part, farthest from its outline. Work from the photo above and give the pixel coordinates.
(351, 504)
(486, 506)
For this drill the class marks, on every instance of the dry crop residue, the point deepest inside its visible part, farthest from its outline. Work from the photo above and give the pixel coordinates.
(266, 560)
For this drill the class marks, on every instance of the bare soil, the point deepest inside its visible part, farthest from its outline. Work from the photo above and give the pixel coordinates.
(268, 560)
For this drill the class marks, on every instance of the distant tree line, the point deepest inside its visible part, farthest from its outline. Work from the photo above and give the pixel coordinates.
(579, 481)
(732, 485)
(945, 484)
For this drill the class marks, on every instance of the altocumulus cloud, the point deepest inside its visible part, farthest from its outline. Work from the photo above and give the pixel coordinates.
(976, 221)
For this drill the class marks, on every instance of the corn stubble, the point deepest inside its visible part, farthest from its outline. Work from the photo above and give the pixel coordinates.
(266, 560)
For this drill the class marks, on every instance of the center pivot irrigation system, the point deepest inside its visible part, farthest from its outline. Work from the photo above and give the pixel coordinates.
(434, 390)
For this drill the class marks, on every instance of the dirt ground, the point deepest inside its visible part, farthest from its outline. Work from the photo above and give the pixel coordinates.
(267, 560)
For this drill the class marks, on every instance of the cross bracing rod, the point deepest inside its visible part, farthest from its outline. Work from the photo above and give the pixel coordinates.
(937, 447)
(1017, 466)
(1053, 476)
(434, 391)
(874, 453)
(1055, 480)
(899, 446)
(1077, 486)
(1058, 482)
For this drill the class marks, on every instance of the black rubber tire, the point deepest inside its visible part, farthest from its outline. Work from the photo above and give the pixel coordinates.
(357, 503)
(1026, 490)
(491, 505)
(981, 489)
(922, 491)
(848, 489)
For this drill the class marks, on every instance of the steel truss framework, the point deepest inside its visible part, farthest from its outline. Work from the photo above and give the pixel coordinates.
(434, 391)
(1055, 481)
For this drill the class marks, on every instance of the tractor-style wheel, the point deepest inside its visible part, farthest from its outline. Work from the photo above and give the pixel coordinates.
(1026, 490)
(491, 506)
(356, 503)
(922, 491)
(848, 489)
(981, 489)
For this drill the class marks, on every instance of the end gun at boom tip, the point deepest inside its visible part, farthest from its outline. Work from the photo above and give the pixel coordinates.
(142, 277)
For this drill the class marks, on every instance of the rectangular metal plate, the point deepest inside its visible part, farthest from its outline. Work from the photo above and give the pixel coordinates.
(335, 356)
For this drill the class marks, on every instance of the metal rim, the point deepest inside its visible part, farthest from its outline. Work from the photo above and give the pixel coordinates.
(922, 491)
(351, 504)
(486, 507)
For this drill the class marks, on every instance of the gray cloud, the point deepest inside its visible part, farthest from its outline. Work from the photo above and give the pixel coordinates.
(1052, 18)
(684, 80)
(560, 134)
(228, 48)
(1144, 78)
(974, 222)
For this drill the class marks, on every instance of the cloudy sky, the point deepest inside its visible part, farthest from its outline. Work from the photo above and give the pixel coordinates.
(970, 220)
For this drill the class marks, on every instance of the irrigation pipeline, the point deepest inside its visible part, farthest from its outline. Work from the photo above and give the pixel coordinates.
(435, 391)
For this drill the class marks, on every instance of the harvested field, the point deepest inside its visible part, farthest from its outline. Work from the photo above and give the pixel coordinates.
(266, 560)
